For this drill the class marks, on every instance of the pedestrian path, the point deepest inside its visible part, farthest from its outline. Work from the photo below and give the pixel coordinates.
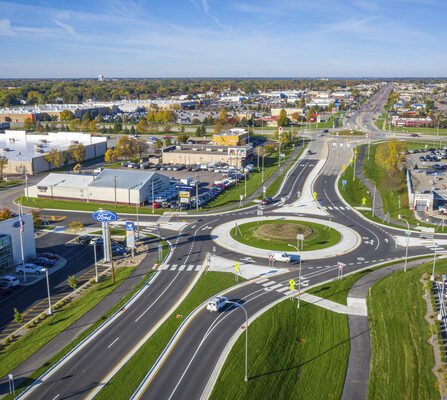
(354, 307)
(180, 267)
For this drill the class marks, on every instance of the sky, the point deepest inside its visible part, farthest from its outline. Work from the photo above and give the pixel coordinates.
(223, 38)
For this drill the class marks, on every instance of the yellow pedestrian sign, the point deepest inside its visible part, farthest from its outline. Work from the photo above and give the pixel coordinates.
(315, 195)
(292, 284)
(363, 201)
(236, 267)
(343, 167)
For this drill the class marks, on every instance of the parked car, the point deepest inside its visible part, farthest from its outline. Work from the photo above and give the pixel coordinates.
(10, 280)
(285, 257)
(98, 242)
(50, 256)
(29, 269)
(309, 152)
(44, 262)
(5, 288)
(217, 303)
(414, 135)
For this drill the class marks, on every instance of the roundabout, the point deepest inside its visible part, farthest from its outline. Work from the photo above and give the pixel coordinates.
(260, 237)
(278, 234)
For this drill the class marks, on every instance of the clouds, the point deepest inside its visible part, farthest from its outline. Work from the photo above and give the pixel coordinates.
(221, 38)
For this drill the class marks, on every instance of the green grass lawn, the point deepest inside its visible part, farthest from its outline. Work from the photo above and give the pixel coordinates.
(431, 131)
(401, 357)
(124, 383)
(355, 190)
(10, 183)
(320, 238)
(83, 206)
(20, 350)
(293, 354)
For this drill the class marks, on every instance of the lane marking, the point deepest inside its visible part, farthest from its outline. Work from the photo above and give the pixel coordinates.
(111, 344)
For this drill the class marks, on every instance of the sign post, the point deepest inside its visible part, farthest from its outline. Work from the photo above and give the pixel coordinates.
(12, 389)
(340, 270)
(130, 236)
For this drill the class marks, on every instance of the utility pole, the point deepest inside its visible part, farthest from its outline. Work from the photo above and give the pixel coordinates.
(111, 254)
(197, 192)
(114, 185)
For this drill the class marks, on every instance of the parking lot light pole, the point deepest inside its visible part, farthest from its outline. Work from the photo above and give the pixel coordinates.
(246, 335)
(434, 262)
(408, 243)
(50, 311)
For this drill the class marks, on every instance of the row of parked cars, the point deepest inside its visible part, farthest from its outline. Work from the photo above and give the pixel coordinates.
(37, 266)
(212, 192)
(117, 248)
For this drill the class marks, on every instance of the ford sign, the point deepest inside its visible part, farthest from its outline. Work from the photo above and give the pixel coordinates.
(104, 216)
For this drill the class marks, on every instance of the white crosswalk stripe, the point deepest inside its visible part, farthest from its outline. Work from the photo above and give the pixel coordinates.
(289, 292)
(330, 208)
(269, 283)
(198, 267)
(182, 267)
(335, 208)
(164, 266)
(276, 286)
(262, 280)
(173, 267)
(190, 268)
(283, 289)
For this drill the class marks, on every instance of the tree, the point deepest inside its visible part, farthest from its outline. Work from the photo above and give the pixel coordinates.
(37, 220)
(183, 138)
(139, 146)
(3, 164)
(93, 127)
(66, 115)
(55, 157)
(391, 155)
(77, 152)
(158, 144)
(18, 317)
(5, 213)
(142, 126)
(199, 131)
(110, 156)
(75, 226)
(29, 124)
(74, 125)
(72, 281)
(282, 119)
(182, 129)
(150, 117)
(167, 142)
(124, 147)
(223, 116)
(270, 148)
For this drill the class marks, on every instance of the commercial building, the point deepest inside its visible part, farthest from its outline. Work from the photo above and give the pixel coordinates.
(26, 152)
(232, 137)
(188, 154)
(10, 243)
(110, 186)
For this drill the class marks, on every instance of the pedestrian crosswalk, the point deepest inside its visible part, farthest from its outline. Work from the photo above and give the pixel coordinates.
(178, 267)
(270, 285)
(340, 208)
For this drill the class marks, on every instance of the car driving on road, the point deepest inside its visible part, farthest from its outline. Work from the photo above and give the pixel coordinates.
(286, 257)
(10, 280)
(217, 303)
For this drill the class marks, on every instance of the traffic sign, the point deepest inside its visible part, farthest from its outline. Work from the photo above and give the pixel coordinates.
(300, 236)
(315, 195)
(292, 282)
(363, 201)
(408, 233)
(236, 267)
(341, 266)
(343, 167)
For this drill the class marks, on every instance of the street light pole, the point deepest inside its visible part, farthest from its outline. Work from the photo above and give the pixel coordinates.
(262, 173)
(96, 263)
(408, 242)
(48, 290)
(246, 335)
(434, 261)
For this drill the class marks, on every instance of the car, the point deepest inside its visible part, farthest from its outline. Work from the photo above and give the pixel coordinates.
(98, 242)
(44, 262)
(216, 303)
(84, 239)
(286, 257)
(266, 201)
(10, 280)
(414, 135)
(309, 152)
(5, 288)
(50, 256)
(30, 269)
(98, 170)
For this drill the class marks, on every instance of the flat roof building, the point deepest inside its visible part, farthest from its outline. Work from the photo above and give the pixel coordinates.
(26, 152)
(110, 186)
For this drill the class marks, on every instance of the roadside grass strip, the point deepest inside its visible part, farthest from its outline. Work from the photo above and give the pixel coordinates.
(293, 354)
(37, 337)
(401, 357)
(124, 383)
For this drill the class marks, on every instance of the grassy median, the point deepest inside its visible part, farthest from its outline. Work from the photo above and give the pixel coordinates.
(293, 354)
(124, 383)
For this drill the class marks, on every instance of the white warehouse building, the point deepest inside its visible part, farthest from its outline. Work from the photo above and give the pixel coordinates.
(110, 186)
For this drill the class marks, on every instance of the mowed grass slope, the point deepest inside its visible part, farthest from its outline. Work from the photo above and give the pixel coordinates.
(401, 357)
(293, 354)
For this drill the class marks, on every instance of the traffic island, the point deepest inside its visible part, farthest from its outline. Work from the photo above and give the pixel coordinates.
(259, 237)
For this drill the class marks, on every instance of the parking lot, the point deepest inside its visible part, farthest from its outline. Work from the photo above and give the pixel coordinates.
(429, 157)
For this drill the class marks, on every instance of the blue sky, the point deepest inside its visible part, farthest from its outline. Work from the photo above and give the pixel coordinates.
(215, 38)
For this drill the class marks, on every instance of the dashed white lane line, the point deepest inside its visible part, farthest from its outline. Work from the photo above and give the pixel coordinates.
(111, 344)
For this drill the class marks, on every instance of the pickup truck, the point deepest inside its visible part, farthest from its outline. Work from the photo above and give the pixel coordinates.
(286, 257)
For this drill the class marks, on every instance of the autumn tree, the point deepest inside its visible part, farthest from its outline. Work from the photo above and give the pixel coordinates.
(139, 146)
(391, 155)
(55, 157)
(124, 147)
(282, 119)
(66, 115)
(110, 156)
(142, 126)
(75, 125)
(5, 213)
(223, 116)
(29, 124)
(72, 281)
(77, 152)
(183, 138)
(3, 164)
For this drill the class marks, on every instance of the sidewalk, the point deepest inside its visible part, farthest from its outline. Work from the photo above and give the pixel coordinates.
(350, 239)
(53, 347)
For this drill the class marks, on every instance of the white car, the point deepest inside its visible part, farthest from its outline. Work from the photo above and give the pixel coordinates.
(29, 269)
(11, 280)
(216, 303)
(286, 257)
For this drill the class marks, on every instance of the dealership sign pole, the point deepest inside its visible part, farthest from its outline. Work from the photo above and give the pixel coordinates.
(105, 217)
